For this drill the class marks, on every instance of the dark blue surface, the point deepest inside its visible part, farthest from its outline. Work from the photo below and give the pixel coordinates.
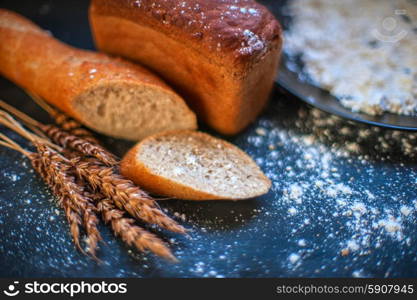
(262, 237)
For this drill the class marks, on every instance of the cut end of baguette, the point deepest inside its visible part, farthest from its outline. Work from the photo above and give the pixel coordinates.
(132, 111)
(192, 165)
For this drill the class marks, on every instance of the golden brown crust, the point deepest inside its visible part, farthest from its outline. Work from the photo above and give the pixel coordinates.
(59, 73)
(134, 169)
(224, 64)
(242, 29)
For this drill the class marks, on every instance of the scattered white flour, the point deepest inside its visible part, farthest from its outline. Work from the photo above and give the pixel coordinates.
(14, 177)
(302, 243)
(391, 224)
(343, 204)
(295, 192)
(359, 207)
(292, 211)
(293, 258)
(362, 51)
(358, 274)
(317, 184)
(405, 210)
(352, 245)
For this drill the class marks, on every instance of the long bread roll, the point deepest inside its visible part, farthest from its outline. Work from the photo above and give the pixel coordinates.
(109, 95)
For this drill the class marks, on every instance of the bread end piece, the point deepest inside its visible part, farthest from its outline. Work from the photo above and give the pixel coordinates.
(193, 165)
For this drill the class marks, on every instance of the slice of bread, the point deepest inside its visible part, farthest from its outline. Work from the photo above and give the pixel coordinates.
(192, 165)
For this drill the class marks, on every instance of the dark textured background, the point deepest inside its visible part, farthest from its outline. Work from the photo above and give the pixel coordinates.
(252, 238)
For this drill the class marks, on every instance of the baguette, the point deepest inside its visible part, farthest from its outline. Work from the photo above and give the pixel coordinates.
(109, 95)
(192, 165)
(221, 55)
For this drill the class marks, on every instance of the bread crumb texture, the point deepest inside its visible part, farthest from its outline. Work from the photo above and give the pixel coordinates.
(204, 163)
(133, 111)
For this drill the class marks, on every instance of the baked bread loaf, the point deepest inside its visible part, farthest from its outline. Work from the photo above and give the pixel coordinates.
(221, 55)
(109, 95)
(192, 165)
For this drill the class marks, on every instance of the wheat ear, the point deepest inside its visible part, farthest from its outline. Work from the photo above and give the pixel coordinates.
(125, 194)
(65, 122)
(64, 138)
(59, 169)
(71, 213)
(130, 233)
(59, 179)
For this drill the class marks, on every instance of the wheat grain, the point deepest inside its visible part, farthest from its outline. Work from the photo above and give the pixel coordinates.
(68, 140)
(64, 121)
(58, 168)
(65, 177)
(131, 234)
(65, 139)
(71, 212)
(125, 194)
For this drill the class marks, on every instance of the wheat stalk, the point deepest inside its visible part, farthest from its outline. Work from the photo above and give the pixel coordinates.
(71, 213)
(8, 121)
(65, 178)
(58, 168)
(125, 194)
(56, 173)
(63, 138)
(67, 140)
(65, 122)
(131, 234)
(125, 228)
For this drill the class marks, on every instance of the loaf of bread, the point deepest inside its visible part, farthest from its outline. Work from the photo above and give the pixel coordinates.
(109, 95)
(221, 55)
(192, 165)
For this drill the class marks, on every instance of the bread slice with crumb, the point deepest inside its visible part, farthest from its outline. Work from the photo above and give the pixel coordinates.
(193, 165)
